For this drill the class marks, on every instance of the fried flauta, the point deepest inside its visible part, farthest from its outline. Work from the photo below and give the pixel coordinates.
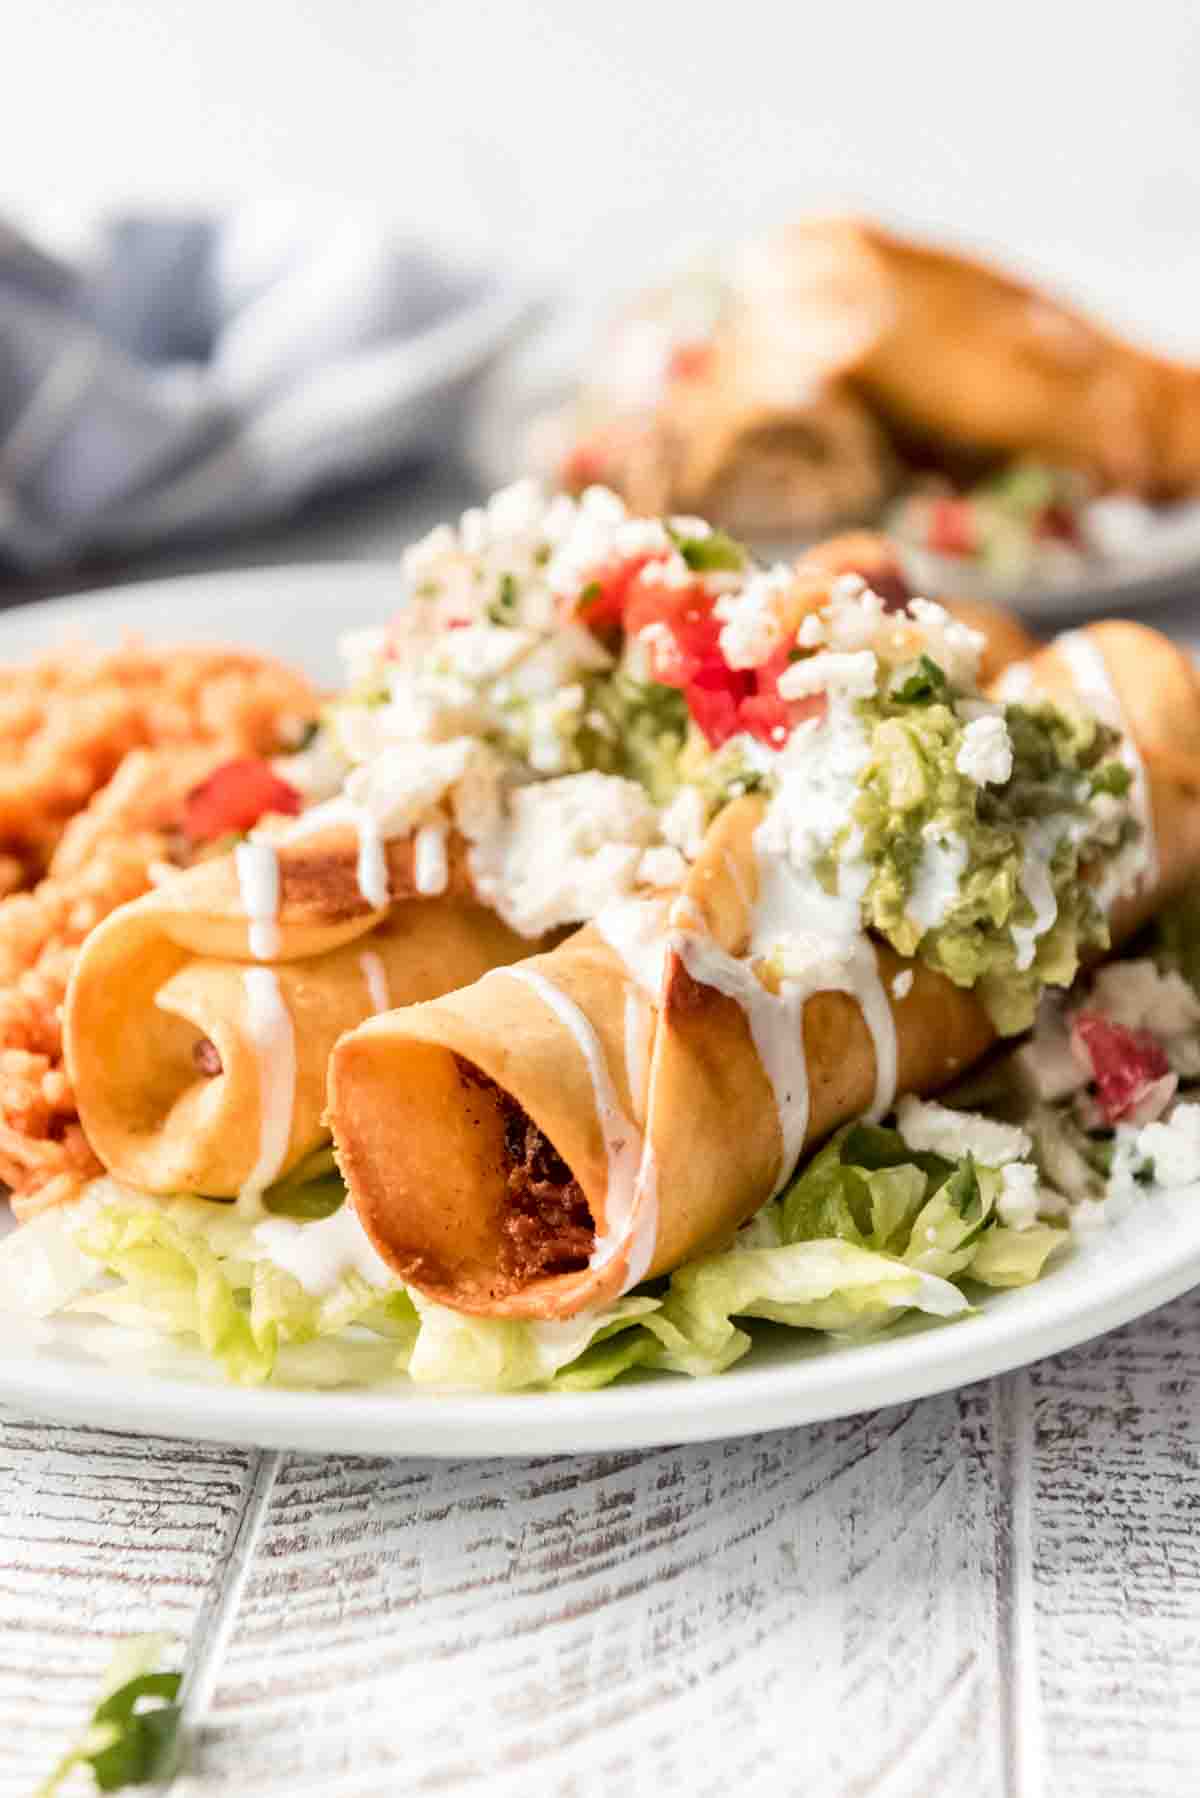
(535, 1144)
(198, 1036)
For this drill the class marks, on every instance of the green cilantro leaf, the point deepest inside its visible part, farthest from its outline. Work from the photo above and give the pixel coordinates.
(503, 608)
(1114, 778)
(132, 1736)
(145, 1743)
(922, 685)
(714, 554)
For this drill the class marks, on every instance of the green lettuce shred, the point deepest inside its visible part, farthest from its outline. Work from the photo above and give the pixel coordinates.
(867, 1230)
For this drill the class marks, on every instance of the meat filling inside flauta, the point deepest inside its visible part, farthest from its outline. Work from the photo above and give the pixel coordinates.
(547, 1224)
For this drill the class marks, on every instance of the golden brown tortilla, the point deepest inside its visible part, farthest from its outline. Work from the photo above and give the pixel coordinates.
(422, 1143)
(158, 1027)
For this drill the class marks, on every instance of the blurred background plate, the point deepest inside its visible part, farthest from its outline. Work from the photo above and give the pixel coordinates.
(1156, 552)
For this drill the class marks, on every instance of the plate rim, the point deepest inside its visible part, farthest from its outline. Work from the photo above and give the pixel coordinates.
(653, 1411)
(1015, 1329)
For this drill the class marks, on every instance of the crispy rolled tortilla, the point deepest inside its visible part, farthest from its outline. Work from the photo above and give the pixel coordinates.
(198, 1066)
(535, 1144)
(956, 356)
(770, 459)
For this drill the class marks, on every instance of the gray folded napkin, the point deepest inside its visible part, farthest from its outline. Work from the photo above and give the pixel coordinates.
(193, 374)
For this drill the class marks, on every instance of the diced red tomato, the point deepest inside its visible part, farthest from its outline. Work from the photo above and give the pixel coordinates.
(687, 613)
(715, 697)
(688, 361)
(234, 798)
(766, 717)
(951, 529)
(605, 607)
(685, 652)
(770, 717)
(1125, 1063)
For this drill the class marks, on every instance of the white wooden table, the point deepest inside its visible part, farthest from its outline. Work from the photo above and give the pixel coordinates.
(993, 1593)
(990, 1594)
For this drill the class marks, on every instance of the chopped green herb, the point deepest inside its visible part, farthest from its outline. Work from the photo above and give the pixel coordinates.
(1113, 778)
(922, 684)
(714, 554)
(503, 608)
(132, 1738)
(590, 595)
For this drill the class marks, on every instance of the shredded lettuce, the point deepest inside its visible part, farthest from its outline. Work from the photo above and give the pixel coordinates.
(866, 1187)
(867, 1230)
(188, 1268)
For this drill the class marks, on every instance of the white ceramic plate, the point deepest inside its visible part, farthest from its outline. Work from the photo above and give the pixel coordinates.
(75, 1370)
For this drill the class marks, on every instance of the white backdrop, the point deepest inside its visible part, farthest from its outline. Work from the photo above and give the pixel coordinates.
(586, 135)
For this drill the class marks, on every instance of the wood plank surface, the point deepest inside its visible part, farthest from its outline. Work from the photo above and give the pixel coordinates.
(993, 1593)
(103, 1536)
(1115, 1464)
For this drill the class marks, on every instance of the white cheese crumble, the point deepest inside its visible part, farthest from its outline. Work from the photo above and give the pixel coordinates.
(1018, 1204)
(817, 773)
(683, 822)
(856, 618)
(661, 867)
(400, 786)
(902, 985)
(480, 652)
(854, 674)
(1174, 1146)
(937, 1130)
(666, 656)
(985, 754)
(753, 629)
(670, 571)
(566, 848)
(1137, 995)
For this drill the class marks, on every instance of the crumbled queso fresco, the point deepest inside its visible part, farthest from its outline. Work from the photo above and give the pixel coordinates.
(576, 692)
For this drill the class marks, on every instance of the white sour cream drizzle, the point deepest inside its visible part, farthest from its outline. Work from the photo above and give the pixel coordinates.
(936, 886)
(431, 865)
(321, 1254)
(375, 975)
(1094, 685)
(1037, 851)
(776, 1022)
(269, 1024)
(637, 929)
(631, 1199)
(371, 869)
(257, 864)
